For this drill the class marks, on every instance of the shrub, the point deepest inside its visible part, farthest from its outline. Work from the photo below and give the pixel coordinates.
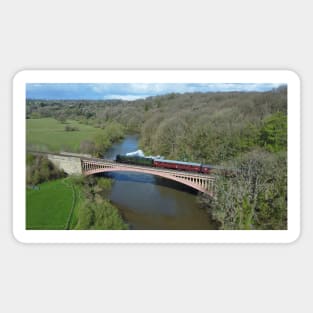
(69, 128)
(39, 169)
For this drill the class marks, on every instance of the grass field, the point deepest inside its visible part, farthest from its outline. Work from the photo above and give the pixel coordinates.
(53, 206)
(48, 134)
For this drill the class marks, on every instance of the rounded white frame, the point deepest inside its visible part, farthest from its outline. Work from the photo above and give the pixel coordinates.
(156, 76)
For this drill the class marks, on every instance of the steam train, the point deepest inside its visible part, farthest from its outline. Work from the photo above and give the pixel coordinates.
(169, 164)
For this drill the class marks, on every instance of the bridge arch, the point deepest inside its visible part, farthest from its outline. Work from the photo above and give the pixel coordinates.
(201, 183)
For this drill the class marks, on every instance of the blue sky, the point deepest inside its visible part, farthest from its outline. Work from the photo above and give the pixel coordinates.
(130, 91)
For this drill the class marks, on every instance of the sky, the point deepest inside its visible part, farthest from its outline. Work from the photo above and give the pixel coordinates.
(128, 91)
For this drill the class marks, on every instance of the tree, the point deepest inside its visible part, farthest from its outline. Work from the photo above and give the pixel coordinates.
(61, 118)
(70, 128)
(39, 169)
(273, 134)
(255, 198)
(168, 136)
(96, 212)
(102, 143)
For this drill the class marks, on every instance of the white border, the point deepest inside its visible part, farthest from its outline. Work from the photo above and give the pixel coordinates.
(156, 76)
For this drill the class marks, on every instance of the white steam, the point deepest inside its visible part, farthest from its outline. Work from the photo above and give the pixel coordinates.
(140, 153)
(136, 153)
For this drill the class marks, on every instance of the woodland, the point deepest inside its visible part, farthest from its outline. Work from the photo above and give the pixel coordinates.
(245, 131)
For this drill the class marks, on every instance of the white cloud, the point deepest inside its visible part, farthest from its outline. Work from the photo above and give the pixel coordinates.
(142, 90)
(125, 97)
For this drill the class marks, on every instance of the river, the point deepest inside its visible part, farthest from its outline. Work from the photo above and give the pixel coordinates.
(151, 202)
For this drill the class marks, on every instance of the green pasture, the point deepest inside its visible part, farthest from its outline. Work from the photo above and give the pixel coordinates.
(48, 134)
(51, 206)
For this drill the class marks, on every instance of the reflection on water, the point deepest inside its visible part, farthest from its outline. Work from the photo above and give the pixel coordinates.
(151, 202)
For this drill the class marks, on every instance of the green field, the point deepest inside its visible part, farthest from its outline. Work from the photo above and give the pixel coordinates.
(48, 134)
(52, 206)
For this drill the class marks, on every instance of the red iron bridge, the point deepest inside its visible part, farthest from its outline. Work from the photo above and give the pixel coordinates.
(80, 164)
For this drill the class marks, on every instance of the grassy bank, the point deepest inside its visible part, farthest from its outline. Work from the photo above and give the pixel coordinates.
(49, 134)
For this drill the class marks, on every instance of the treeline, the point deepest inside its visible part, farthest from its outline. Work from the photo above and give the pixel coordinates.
(39, 169)
(96, 211)
(95, 113)
(212, 128)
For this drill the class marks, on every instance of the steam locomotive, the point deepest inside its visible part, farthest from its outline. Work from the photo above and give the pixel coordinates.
(169, 164)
